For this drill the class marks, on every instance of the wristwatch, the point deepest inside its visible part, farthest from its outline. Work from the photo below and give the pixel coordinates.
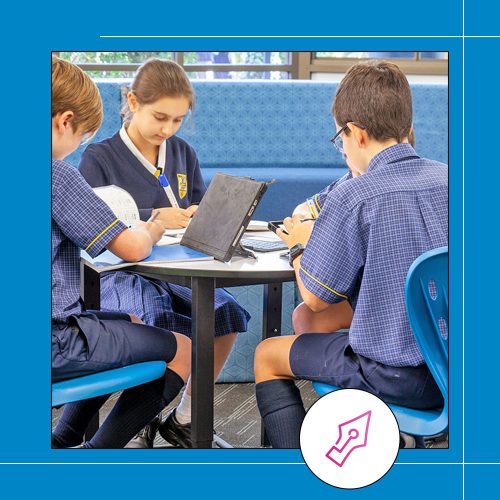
(295, 251)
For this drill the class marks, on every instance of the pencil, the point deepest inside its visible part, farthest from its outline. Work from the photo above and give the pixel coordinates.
(154, 216)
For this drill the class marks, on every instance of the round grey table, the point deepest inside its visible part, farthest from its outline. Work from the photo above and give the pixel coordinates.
(269, 269)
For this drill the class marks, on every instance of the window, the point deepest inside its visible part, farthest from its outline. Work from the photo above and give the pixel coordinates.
(255, 65)
(198, 65)
(417, 63)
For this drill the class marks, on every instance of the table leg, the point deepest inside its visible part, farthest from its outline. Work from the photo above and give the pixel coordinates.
(202, 369)
(91, 294)
(271, 326)
(90, 287)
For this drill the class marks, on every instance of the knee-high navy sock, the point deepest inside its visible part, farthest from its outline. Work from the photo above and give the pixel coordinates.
(73, 421)
(282, 411)
(135, 408)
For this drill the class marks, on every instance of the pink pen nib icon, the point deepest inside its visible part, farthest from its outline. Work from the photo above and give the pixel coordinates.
(352, 434)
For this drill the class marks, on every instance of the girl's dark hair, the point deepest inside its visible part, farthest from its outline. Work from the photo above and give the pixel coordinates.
(377, 96)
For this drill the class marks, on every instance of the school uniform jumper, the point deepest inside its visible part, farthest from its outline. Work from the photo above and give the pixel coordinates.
(369, 231)
(117, 161)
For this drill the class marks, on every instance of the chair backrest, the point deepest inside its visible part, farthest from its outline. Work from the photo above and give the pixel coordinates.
(426, 294)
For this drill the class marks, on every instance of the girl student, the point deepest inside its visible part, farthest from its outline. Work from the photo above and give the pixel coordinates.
(162, 173)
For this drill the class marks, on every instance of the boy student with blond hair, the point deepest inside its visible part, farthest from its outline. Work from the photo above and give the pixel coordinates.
(85, 342)
(371, 227)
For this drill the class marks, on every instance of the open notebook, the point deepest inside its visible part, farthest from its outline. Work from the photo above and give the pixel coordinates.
(108, 261)
(125, 209)
(121, 202)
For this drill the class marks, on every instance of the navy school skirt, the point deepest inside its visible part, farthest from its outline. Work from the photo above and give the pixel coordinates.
(167, 305)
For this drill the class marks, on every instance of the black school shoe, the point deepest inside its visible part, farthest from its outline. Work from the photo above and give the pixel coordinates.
(145, 438)
(174, 432)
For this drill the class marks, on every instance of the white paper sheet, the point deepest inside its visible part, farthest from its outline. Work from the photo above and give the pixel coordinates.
(121, 202)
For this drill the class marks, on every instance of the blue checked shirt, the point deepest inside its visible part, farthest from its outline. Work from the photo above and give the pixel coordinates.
(80, 219)
(369, 231)
(316, 202)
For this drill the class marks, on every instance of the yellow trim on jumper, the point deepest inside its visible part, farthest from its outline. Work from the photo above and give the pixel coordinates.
(101, 233)
(323, 285)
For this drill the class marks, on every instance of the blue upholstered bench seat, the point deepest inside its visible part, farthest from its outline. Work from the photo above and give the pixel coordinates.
(290, 188)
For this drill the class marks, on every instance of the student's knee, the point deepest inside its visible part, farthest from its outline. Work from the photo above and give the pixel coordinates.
(263, 360)
(301, 318)
(272, 359)
(181, 363)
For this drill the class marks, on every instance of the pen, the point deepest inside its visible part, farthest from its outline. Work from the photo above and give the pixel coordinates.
(154, 216)
(306, 220)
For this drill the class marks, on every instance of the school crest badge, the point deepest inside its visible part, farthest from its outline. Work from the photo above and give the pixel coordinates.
(183, 185)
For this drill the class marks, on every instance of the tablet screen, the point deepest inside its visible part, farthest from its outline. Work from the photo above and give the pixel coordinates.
(223, 215)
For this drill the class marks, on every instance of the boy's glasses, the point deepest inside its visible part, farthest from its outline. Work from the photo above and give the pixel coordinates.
(337, 141)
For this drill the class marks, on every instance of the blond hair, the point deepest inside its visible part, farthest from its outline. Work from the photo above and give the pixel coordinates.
(73, 90)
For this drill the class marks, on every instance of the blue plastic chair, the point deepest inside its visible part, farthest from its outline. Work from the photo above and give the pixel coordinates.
(106, 382)
(426, 295)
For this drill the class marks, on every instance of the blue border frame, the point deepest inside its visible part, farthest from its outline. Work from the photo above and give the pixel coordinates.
(25, 373)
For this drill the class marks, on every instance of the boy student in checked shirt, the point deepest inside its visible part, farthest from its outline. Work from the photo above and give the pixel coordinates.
(339, 315)
(84, 342)
(371, 227)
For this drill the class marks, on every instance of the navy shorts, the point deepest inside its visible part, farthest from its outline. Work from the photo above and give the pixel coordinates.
(97, 341)
(328, 358)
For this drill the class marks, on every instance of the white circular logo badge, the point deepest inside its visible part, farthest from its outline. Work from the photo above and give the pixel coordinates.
(349, 438)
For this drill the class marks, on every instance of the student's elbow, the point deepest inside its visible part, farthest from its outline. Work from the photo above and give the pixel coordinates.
(314, 303)
(136, 254)
(131, 246)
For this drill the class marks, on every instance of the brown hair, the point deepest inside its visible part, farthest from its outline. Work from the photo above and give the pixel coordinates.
(377, 96)
(159, 78)
(73, 90)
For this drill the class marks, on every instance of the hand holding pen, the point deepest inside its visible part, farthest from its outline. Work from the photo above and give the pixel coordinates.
(153, 216)
(174, 218)
(155, 227)
(298, 230)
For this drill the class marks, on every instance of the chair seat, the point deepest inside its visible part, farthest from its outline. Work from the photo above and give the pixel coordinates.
(410, 421)
(98, 384)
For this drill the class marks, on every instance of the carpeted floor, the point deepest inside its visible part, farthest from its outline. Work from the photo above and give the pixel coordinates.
(237, 419)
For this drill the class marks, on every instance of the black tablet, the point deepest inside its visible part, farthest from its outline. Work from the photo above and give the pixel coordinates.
(223, 215)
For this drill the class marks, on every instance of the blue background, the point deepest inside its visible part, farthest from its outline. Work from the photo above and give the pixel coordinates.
(24, 370)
